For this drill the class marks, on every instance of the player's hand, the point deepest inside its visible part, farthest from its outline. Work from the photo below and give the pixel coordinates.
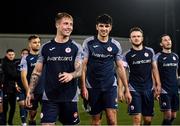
(84, 93)
(18, 89)
(121, 97)
(157, 91)
(65, 77)
(29, 98)
(128, 96)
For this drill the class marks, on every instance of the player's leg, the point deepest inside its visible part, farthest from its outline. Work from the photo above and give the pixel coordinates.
(96, 106)
(68, 114)
(135, 107)
(174, 106)
(110, 103)
(22, 107)
(49, 112)
(165, 106)
(111, 115)
(147, 106)
(33, 110)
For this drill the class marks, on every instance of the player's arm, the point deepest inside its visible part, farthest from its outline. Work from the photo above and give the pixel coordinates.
(66, 77)
(155, 72)
(84, 91)
(33, 82)
(24, 79)
(120, 89)
(24, 69)
(122, 74)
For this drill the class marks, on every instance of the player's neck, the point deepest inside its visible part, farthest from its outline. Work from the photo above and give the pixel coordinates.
(34, 52)
(102, 38)
(166, 50)
(140, 47)
(61, 39)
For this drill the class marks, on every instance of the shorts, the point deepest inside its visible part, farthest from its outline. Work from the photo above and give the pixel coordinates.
(142, 102)
(100, 100)
(67, 112)
(21, 96)
(169, 102)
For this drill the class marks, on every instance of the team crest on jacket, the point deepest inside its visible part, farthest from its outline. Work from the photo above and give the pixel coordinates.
(174, 58)
(68, 50)
(109, 49)
(146, 54)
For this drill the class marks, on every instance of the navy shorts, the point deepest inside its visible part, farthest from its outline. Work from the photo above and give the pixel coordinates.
(169, 102)
(66, 112)
(142, 102)
(100, 100)
(20, 96)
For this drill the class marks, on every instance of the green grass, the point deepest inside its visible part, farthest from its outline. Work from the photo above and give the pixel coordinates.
(123, 117)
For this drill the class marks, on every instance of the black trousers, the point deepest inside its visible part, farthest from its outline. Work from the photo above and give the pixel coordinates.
(9, 100)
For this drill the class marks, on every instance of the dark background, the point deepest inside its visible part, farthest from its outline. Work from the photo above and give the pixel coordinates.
(155, 17)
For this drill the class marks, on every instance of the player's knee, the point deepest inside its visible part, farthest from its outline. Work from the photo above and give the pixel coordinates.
(136, 120)
(112, 122)
(147, 120)
(96, 120)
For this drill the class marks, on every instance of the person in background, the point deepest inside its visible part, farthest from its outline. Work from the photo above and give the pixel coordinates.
(9, 85)
(167, 62)
(27, 65)
(21, 95)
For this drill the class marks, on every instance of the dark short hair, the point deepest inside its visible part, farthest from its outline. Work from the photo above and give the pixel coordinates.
(163, 36)
(135, 29)
(61, 15)
(25, 49)
(104, 19)
(9, 50)
(33, 37)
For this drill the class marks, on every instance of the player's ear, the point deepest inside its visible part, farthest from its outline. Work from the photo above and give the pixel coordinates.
(160, 44)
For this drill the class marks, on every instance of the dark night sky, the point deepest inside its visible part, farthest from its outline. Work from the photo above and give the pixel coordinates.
(155, 17)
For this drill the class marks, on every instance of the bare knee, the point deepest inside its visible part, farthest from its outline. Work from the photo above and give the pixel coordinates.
(136, 119)
(111, 115)
(96, 119)
(147, 120)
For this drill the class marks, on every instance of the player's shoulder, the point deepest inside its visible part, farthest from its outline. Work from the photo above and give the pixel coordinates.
(149, 48)
(89, 40)
(175, 54)
(78, 45)
(126, 53)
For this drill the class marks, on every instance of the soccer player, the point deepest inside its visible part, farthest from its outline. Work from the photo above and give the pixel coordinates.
(21, 95)
(62, 57)
(167, 62)
(27, 65)
(99, 81)
(142, 67)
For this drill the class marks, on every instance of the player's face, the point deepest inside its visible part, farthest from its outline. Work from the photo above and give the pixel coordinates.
(10, 55)
(136, 38)
(103, 29)
(166, 42)
(64, 26)
(35, 44)
(24, 53)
